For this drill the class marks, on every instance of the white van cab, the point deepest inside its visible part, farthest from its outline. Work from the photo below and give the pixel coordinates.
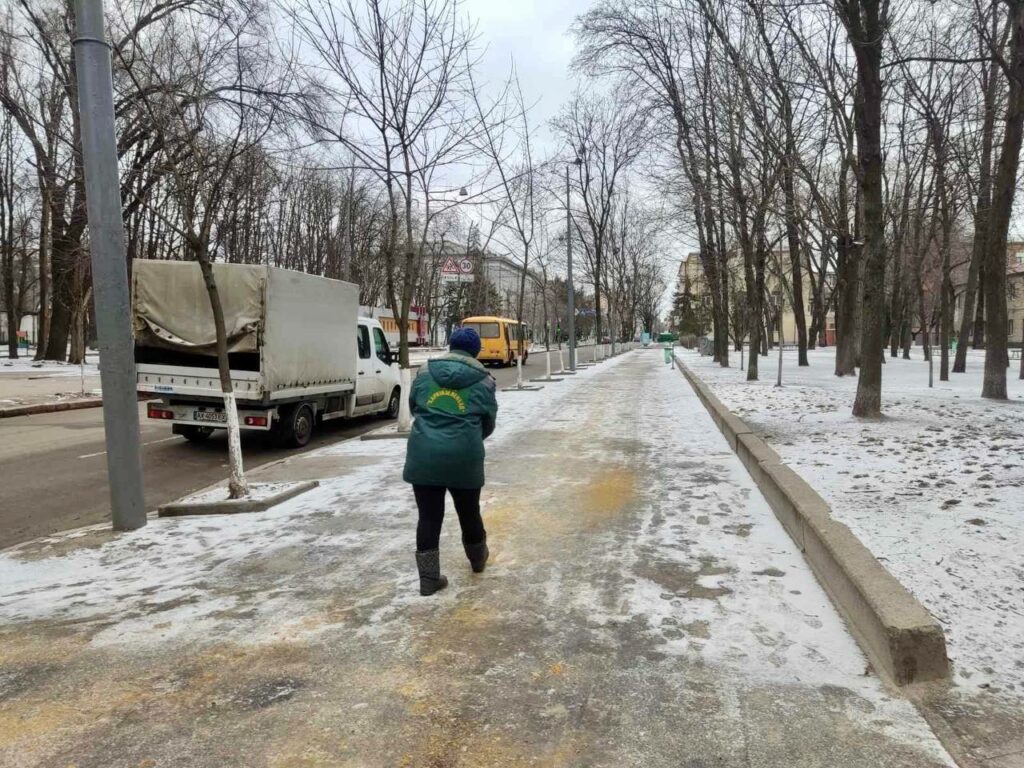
(377, 387)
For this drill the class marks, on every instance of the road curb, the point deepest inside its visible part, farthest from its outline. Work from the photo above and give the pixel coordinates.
(32, 409)
(903, 641)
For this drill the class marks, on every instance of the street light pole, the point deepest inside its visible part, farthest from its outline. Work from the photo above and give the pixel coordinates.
(782, 298)
(110, 274)
(572, 288)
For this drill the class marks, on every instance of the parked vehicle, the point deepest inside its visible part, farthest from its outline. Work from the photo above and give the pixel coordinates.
(418, 324)
(502, 340)
(298, 351)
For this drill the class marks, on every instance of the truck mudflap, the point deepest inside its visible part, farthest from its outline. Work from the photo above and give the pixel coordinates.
(203, 415)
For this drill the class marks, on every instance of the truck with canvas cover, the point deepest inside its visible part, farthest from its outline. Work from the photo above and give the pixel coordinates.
(297, 349)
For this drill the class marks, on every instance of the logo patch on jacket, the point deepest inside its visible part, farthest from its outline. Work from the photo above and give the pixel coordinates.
(446, 400)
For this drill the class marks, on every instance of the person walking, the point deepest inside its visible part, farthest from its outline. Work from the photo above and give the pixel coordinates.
(454, 406)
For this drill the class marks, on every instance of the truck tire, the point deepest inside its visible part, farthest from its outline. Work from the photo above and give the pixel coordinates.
(195, 434)
(295, 428)
(394, 404)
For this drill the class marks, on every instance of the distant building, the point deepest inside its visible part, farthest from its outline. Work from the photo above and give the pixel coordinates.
(778, 274)
(1014, 292)
(506, 275)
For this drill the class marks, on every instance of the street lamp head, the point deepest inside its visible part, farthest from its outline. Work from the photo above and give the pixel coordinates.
(463, 192)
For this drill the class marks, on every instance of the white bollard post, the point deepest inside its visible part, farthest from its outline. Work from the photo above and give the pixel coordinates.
(519, 372)
(404, 414)
(547, 364)
(561, 364)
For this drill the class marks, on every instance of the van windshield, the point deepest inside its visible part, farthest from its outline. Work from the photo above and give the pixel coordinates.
(484, 330)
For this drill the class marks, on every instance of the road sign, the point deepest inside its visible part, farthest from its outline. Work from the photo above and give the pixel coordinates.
(457, 271)
(450, 272)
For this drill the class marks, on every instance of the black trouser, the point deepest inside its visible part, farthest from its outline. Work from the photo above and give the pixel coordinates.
(430, 500)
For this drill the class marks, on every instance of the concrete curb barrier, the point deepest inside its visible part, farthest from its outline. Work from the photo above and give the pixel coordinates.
(54, 406)
(236, 506)
(903, 641)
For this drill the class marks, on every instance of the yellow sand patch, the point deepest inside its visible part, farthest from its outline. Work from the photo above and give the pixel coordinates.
(29, 722)
(605, 497)
(473, 616)
(551, 671)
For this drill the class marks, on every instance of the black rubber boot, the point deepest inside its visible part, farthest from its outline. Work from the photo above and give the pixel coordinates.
(477, 554)
(429, 565)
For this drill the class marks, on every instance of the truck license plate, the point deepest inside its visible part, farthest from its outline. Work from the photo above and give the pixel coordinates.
(217, 416)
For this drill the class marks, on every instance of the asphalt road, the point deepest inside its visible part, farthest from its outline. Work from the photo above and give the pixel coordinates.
(53, 467)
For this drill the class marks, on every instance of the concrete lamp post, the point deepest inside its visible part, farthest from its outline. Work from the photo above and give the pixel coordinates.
(779, 299)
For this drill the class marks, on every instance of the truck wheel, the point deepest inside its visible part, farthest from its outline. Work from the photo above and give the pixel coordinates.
(195, 434)
(393, 405)
(295, 429)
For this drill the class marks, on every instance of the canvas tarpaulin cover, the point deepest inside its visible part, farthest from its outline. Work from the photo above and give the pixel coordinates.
(171, 306)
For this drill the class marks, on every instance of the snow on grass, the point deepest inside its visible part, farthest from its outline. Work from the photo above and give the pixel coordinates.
(51, 369)
(935, 489)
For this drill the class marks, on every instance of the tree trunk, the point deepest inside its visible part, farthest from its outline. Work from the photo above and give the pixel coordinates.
(1021, 373)
(43, 329)
(996, 358)
(846, 325)
(62, 300)
(981, 227)
(971, 322)
(793, 240)
(978, 332)
(868, 120)
(237, 486)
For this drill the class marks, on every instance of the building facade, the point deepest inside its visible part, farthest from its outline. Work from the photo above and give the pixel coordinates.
(778, 278)
(1014, 293)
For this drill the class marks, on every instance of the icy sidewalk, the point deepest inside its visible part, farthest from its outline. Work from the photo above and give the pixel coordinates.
(643, 607)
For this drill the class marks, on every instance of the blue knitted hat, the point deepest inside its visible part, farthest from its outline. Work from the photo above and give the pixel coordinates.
(465, 340)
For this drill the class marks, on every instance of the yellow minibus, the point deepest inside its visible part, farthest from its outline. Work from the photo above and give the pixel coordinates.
(502, 340)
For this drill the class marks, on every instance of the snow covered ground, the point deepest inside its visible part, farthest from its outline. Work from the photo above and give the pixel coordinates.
(642, 603)
(935, 489)
(26, 366)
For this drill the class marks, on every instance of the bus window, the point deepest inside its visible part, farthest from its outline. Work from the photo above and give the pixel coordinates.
(485, 330)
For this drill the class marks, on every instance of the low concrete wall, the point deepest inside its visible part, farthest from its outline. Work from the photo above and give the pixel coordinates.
(53, 406)
(902, 640)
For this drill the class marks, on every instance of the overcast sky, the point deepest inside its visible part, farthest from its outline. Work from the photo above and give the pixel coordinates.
(536, 34)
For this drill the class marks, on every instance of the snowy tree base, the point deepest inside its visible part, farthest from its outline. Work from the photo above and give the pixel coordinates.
(262, 496)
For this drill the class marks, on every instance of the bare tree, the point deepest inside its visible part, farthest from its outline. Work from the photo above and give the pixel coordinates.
(606, 133)
(397, 104)
(223, 104)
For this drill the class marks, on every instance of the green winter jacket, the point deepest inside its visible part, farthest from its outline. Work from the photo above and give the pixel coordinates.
(453, 403)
